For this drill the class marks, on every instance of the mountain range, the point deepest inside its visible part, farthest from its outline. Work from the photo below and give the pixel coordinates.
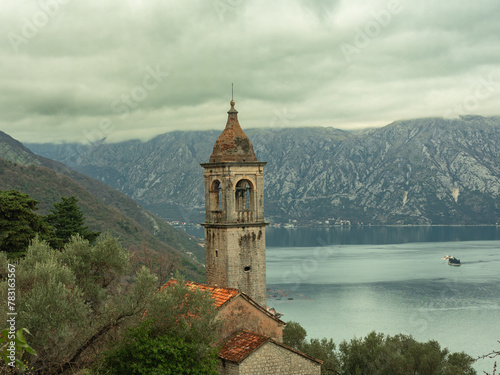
(420, 171)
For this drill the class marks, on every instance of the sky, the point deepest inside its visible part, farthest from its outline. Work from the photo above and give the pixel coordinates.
(79, 71)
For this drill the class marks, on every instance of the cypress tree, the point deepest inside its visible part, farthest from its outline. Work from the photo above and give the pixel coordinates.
(19, 223)
(68, 220)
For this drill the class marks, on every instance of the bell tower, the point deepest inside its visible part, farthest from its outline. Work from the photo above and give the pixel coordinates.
(235, 249)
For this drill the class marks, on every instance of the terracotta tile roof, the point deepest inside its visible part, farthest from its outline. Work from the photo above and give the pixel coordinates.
(242, 344)
(239, 346)
(223, 295)
(220, 295)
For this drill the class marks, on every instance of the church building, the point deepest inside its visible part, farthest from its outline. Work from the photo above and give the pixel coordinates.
(251, 339)
(235, 259)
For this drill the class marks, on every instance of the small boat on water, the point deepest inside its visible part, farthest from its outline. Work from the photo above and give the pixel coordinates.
(452, 261)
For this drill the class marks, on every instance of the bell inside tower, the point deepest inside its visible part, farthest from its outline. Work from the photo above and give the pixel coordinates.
(244, 201)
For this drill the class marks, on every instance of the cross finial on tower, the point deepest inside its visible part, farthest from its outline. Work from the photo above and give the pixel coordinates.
(232, 97)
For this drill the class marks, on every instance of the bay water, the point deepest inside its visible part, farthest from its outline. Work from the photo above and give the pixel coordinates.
(342, 283)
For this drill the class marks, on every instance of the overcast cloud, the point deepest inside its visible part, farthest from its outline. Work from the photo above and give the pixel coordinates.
(74, 70)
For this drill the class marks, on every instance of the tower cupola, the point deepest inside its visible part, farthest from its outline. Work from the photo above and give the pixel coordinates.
(233, 144)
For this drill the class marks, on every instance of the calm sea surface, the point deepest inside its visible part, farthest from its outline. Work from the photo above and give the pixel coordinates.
(340, 283)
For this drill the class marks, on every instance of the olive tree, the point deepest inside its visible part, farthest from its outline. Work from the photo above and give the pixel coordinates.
(177, 336)
(71, 299)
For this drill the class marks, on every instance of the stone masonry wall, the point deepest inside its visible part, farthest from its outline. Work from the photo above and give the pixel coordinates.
(228, 368)
(246, 261)
(274, 359)
(240, 314)
(234, 237)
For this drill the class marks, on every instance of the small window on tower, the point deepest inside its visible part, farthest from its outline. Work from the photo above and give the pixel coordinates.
(216, 253)
(219, 199)
(247, 268)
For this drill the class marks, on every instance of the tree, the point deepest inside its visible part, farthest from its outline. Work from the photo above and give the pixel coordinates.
(323, 349)
(162, 264)
(19, 223)
(70, 300)
(68, 220)
(294, 335)
(177, 336)
(79, 301)
(142, 352)
(493, 354)
(378, 354)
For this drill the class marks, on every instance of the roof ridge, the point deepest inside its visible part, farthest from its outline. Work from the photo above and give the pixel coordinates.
(296, 351)
(240, 355)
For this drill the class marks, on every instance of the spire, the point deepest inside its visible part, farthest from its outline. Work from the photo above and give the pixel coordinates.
(232, 144)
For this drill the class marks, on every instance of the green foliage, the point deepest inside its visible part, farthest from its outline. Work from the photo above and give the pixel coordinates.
(19, 223)
(161, 264)
(68, 221)
(95, 267)
(378, 354)
(325, 350)
(43, 282)
(47, 186)
(143, 352)
(294, 335)
(191, 314)
(178, 336)
(11, 354)
(72, 298)
(83, 297)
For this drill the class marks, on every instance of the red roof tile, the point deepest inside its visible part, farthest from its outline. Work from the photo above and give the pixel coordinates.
(242, 344)
(220, 295)
(238, 347)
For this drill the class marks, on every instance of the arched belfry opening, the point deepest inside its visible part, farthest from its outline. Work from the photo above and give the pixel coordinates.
(244, 201)
(235, 249)
(216, 202)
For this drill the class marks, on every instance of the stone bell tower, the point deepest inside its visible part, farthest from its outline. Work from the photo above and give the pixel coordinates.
(235, 250)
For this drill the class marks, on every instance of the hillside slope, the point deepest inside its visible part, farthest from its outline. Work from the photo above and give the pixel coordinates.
(104, 208)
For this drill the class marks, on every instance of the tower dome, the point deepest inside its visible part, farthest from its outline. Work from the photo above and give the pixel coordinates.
(233, 144)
